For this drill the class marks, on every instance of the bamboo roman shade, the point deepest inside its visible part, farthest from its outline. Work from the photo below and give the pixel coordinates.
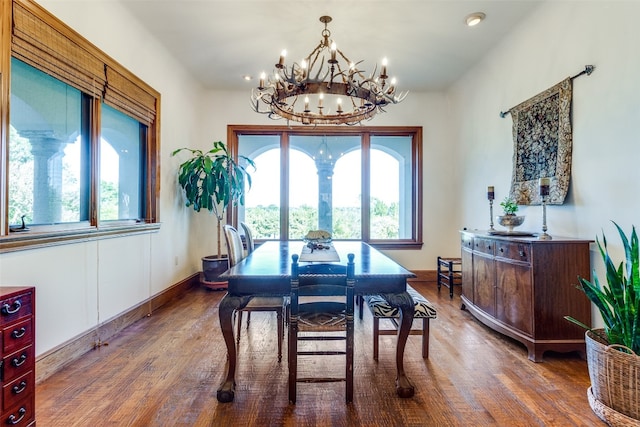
(46, 48)
(43, 42)
(125, 95)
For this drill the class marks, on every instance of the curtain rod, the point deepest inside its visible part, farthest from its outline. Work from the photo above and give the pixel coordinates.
(588, 69)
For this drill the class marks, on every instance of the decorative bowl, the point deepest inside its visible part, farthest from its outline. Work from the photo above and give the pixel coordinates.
(510, 221)
(318, 236)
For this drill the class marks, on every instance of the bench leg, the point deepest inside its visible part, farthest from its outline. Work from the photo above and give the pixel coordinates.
(376, 334)
(280, 320)
(425, 338)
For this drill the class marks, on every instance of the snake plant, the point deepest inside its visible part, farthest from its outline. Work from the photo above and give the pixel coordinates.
(619, 301)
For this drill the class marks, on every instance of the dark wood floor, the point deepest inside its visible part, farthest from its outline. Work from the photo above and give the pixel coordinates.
(165, 370)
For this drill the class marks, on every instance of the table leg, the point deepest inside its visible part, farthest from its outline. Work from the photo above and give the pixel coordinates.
(403, 301)
(228, 305)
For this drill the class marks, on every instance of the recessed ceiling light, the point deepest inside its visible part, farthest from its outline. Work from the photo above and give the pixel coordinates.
(474, 19)
(247, 77)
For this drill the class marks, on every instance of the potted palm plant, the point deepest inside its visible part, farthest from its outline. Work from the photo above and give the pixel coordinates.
(613, 352)
(214, 180)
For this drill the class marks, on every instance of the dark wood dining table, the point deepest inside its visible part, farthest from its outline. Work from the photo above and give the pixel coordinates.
(267, 272)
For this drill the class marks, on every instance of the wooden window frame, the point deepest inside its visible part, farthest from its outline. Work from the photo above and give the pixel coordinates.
(33, 35)
(233, 131)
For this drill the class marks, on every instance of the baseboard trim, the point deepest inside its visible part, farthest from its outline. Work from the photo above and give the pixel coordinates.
(55, 359)
(425, 276)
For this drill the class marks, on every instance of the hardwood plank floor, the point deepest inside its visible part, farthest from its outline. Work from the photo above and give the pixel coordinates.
(165, 369)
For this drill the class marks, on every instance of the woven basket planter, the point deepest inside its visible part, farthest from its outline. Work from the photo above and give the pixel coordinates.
(614, 394)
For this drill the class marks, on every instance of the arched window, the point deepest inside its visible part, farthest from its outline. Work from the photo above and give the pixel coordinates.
(360, 184)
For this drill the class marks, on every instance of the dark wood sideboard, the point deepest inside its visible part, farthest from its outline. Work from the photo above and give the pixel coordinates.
(17, 373)
(523, 287)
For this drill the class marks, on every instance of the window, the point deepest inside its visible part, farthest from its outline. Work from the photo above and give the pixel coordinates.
(46, 181)
(120, 166)
(80, 143)
(359, 184)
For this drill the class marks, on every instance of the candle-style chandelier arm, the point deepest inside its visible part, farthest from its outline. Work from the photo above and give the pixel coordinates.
(321, 74)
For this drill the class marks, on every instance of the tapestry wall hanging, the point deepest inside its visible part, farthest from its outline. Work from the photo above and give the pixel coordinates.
(542, 139)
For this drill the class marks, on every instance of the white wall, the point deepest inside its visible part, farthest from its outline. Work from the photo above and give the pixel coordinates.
(557, 41)
(80, 285)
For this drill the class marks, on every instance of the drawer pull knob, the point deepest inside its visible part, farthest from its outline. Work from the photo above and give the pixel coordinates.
(521, 253)
(489, 247)
(12, 420)
(19, 388)
(19, 361)
(501, 249)
(19, 333)
(11, 309)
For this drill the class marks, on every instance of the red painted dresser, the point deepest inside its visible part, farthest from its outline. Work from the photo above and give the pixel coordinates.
(17, 342)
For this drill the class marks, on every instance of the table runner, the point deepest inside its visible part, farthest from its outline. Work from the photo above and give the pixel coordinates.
(319, 255)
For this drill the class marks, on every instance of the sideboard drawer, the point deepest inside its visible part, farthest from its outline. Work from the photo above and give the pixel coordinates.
(467, 241)
(514, 250)
(486, 246)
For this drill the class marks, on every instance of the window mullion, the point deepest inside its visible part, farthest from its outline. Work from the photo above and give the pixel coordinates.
(284, 186)
(366, 186)
(94, 153)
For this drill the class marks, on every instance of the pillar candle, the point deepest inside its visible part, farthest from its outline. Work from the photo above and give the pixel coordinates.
(545, 183)
(490, 193)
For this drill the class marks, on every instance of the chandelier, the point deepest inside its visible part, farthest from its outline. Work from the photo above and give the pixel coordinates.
(326, 88)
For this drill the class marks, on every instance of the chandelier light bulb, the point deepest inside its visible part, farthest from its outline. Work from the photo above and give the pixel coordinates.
(283, 55)
(383, 72)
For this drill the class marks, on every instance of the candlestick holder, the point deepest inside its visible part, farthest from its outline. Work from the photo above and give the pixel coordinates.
(544, 235)
(491, 215)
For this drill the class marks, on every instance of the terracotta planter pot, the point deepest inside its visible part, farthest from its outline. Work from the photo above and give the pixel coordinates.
(614, 394)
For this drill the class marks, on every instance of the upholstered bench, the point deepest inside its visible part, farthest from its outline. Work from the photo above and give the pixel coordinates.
(380, 309)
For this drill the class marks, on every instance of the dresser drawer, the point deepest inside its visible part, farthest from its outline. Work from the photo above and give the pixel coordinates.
(16, 308)
(20, 415)
(18, 390)
(514, 251)
(486, 246)
(17, 364)
(17, 336)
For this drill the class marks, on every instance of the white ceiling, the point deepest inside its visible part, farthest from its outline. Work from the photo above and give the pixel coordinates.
(427, 44)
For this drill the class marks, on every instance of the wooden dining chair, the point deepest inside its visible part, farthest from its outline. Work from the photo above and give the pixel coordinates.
(321, 304)
(235, 253)
(248, 237)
